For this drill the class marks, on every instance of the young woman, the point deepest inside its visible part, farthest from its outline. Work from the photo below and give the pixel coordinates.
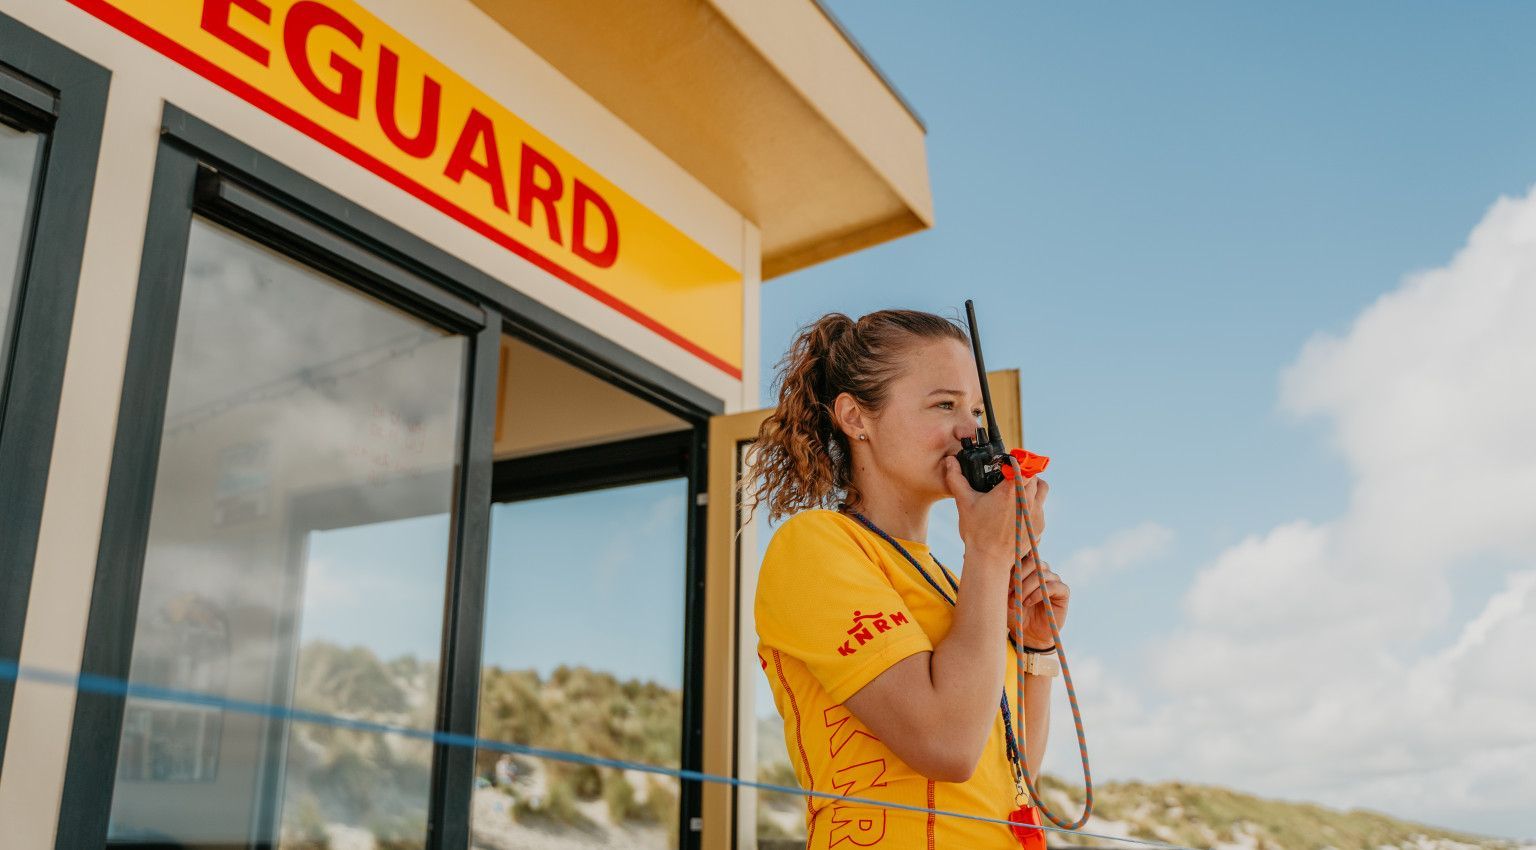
(888, 669)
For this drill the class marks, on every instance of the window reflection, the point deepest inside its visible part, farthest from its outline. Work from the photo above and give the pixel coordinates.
(297, 555)
(19, 153)
(583, 653)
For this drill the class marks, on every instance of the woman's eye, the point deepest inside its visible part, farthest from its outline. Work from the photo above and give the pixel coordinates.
(947, 405)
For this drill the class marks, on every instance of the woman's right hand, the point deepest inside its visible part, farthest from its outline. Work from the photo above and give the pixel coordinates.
(987, 519)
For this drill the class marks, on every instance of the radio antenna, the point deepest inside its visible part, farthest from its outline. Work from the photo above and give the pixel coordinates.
(993, 436)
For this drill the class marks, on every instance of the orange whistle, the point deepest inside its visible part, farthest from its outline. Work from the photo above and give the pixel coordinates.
(1030, 464)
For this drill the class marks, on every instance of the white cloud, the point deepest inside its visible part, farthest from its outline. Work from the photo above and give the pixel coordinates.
(1119, 551)
(1122, 549)
(1300, 669)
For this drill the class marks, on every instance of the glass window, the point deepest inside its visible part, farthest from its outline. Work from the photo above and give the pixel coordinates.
(20, 154)
(584, 653)
(297, 555)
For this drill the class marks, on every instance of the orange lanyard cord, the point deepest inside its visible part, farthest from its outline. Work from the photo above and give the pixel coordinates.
(1024, 528)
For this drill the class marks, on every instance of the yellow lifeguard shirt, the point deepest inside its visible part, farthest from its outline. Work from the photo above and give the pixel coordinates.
(836, 606)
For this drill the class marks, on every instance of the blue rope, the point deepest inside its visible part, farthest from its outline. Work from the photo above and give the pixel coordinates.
(93, 683)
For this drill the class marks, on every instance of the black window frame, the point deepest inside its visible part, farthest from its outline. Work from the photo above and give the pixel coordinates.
(48, 89)
(202, 171)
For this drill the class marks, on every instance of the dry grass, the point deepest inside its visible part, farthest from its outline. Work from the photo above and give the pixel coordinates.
(1202, 816)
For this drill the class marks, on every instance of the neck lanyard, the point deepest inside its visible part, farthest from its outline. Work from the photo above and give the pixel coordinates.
(1011, 745)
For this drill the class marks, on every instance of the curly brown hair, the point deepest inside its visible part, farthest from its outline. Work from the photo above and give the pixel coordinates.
(800, 458)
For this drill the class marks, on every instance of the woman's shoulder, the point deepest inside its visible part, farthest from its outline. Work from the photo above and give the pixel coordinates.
(813, 524)
(816, 517)
(811, 550)
(814, 538)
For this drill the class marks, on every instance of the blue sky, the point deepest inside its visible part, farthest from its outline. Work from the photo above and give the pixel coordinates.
(1171, 198)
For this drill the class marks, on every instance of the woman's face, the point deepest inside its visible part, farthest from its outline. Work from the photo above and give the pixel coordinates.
(933, 404)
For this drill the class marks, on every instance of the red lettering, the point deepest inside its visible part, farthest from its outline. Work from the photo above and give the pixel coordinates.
(837, 718)
(583, 195)
(845, 649)
(529, 190)
(881, 625)
(862, 825)
(303, 19)
(858, 778)
(898, 619)
(478, 129)
(425, 141)
(862, 635)
(216, 23)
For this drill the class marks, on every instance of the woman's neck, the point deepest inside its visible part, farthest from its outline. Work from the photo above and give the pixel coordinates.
(896, 514)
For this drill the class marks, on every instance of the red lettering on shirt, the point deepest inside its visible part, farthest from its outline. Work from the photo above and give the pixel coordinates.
(860, 630)
(860, 825)
(837, 718)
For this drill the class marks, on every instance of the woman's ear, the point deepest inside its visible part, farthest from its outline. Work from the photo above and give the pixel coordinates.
(848, 416)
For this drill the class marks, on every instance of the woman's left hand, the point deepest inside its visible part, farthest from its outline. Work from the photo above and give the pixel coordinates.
(1037, 628)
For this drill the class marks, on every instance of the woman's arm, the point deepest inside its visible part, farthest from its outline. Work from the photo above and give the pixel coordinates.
(935, 709)
(1037, 720)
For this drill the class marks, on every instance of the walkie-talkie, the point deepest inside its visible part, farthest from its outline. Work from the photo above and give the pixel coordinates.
(984, 460)
(981, 459)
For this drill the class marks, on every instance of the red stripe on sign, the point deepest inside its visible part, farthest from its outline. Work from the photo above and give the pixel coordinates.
(178, 53)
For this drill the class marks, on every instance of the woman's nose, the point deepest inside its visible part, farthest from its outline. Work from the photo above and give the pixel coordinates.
(966, 429)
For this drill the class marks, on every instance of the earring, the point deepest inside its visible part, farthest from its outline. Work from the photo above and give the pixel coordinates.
(863, 437)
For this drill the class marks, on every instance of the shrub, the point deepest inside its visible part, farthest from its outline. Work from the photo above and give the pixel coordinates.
(662, 802)
(622, 805)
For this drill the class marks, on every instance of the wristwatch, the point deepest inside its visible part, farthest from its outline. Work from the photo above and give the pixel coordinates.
(1041, 664)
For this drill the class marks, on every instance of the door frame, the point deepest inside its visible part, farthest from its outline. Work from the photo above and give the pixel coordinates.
(723, 644)
(48, 89)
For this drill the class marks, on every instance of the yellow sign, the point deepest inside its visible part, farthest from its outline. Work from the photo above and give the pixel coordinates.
(337, 73)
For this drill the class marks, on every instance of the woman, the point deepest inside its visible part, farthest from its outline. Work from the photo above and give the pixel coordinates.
(889, 670)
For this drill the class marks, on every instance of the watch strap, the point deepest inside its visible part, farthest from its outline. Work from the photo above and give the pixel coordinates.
(1042, 664)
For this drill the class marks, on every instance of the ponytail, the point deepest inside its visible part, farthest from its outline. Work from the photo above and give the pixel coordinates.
(801, 458)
